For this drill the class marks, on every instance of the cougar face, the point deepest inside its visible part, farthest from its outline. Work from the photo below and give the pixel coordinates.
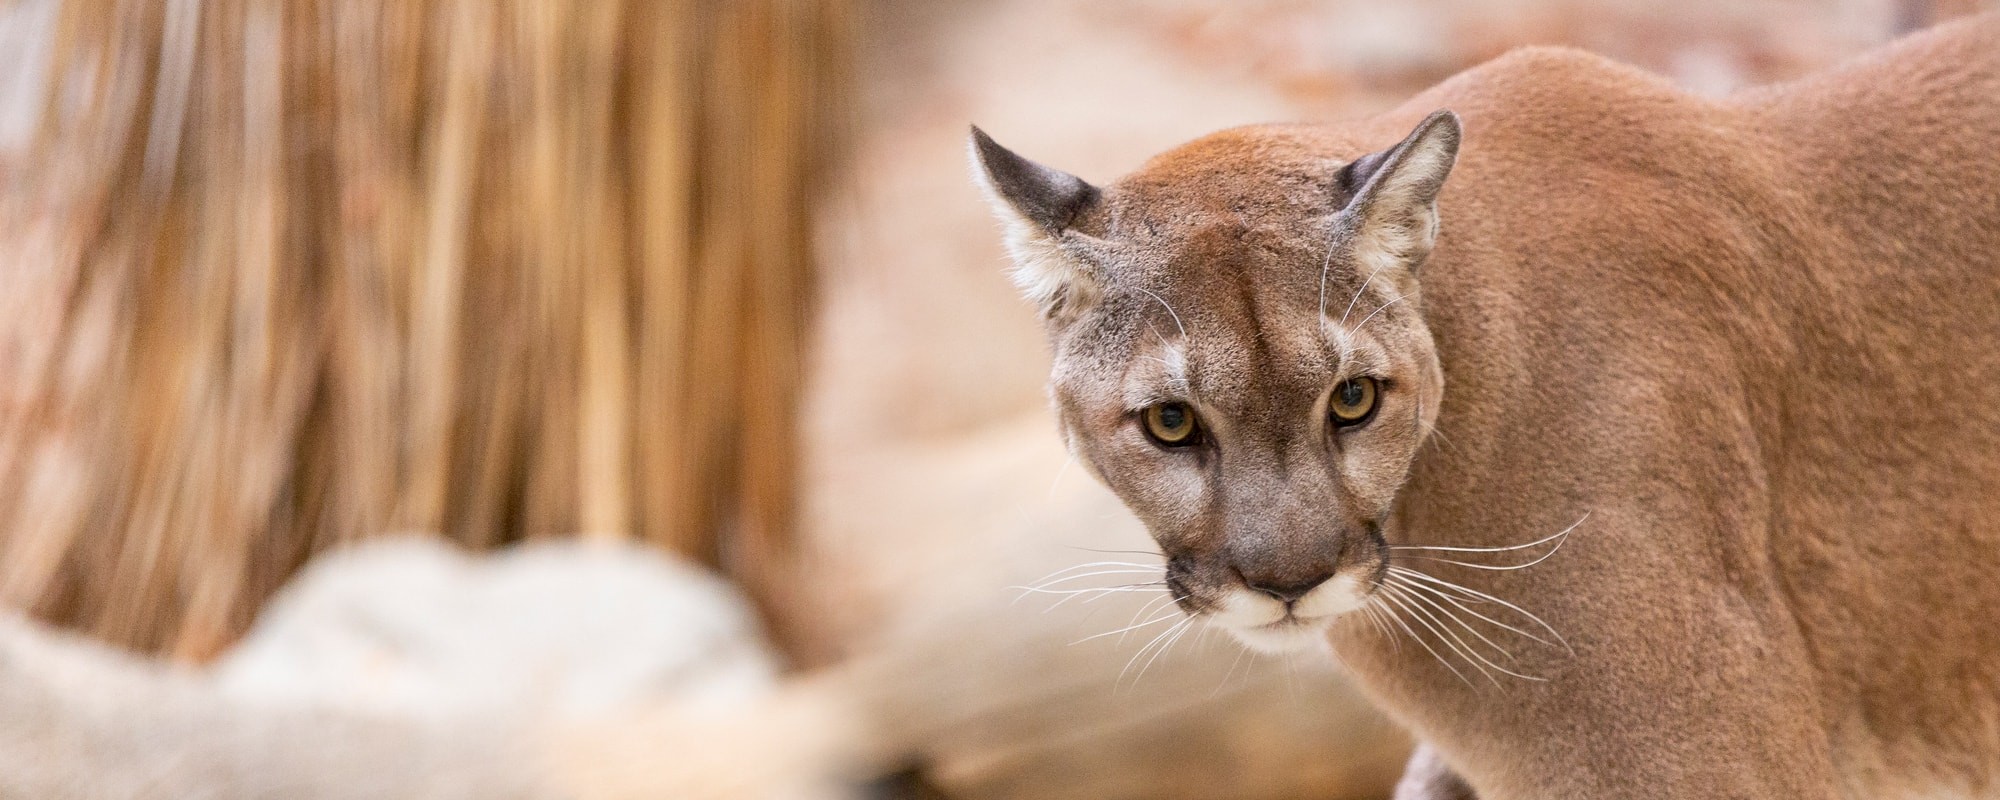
(1240, 354)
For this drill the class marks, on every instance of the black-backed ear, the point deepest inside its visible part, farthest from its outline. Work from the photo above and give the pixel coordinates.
(1393, 213)
(1039, 206)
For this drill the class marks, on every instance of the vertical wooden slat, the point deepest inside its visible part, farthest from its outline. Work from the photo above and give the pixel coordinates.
(665, 144)
(432, 366)
(604, 466)
(309, 271)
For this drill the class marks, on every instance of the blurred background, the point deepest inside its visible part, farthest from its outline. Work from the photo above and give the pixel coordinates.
(705, 280)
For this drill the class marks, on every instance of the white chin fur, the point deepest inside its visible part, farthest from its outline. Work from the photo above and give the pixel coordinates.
(1262, 624)
(1281, 639)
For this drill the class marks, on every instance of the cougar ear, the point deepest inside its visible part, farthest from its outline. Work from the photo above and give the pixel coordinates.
(1393, 215)
(1038, 205)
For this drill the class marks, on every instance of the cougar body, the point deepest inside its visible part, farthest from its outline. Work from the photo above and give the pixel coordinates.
(1746, 351)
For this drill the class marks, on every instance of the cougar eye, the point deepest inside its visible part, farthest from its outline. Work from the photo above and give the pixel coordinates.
(1353, 402)
(1171, 425)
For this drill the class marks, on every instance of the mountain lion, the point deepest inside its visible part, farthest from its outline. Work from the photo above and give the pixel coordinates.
(1654, 454)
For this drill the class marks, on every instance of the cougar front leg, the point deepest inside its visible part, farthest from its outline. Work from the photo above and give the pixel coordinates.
(1427, 777)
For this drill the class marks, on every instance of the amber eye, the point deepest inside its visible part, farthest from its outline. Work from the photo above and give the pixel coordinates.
(1172, 425)
(1353, 401)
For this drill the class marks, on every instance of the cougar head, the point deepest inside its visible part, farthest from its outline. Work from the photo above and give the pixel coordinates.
(1240, 354)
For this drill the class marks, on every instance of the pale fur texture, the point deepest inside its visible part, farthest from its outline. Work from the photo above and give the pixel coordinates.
(1728, 365)
(556, 671)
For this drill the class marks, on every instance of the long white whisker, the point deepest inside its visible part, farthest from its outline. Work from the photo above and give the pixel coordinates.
(1340, 328)
(1092, 594)
(1116, 568)
(1136, 587)
(1511, 547)
(1561, 535)
(1561, 539)
(1440, 594)
(1233, 664)
(1064, 470)
(1474, 651)
(1358, 290)
(1117, 552)
(1470, 565)
(1145, 609)
(1386, 614)
(1484, 596)
(1097, 565)
(1398, 619)
(1149, 646)
(1162, 651)
(1057, 587)
(1469, 649)
(1368, 612)
(1364, 609)
(1123, 587)
(1437, 430)
(1460, 597)
(1433, 625)
(1326, 267)
(1170, 311)
(1134, 660)
(1157, 619)
(1411, 591)
(1375, 618)
(1043, 584)
(1378, 309)
(1345, 669)
(1087, 591)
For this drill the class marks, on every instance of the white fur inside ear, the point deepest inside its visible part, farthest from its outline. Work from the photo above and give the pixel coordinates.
(1418, 173)
(1398, 222)
(1388, 243)
(1044, 273)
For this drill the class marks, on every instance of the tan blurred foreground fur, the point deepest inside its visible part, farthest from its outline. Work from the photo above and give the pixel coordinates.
(81, 722)
(406, 668)
(283, 275)
(1735, 358)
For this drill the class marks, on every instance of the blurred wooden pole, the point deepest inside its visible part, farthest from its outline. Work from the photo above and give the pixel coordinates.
(297, 272)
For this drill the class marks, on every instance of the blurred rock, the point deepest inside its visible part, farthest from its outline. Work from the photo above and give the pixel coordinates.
(571, 628)
(559, 671)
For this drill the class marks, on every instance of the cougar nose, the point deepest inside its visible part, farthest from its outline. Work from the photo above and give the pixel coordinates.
(1286, 591)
